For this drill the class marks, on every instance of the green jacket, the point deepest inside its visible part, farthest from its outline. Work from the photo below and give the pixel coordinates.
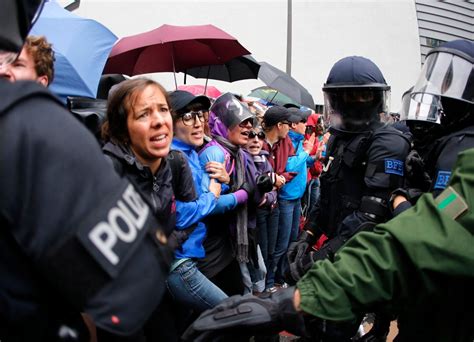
(420, 265)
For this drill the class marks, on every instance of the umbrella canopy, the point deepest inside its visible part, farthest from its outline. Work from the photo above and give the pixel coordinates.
(172, 48)
(284, 83)
(273, 96)
(81, 47)
(239, 68)
(209, 91)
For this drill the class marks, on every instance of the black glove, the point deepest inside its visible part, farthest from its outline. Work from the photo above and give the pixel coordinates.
(415, 174)
(248, 315)
(299, 248)
(303, 264)
(264, 183)
(299, 268)
(411, 195)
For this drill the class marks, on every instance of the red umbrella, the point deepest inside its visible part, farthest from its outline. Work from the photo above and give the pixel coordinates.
(172, 48)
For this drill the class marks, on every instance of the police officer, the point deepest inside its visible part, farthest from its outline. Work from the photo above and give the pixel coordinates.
(74, 237)
(439, 112)
(420, 263)
(364, 163)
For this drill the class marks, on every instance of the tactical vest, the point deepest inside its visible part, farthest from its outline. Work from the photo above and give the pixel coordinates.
(343, 179)
(444, 154)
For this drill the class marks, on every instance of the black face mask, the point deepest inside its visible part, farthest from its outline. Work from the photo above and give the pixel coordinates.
(424, 133)
(456, 114)
(359, 114)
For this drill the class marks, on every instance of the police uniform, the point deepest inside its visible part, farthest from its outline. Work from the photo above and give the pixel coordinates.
(74, 236)
(444, 156)
(420, 264)
(361, 171)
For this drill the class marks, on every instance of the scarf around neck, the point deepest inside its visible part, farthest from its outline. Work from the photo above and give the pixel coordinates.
(241, 211)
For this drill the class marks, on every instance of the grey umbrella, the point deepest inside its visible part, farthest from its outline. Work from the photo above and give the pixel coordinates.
(239, 68)
(284, 83)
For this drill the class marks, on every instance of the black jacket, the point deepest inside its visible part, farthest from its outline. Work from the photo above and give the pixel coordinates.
(443, 156)
(156, 188)
(59, 203)
(358, 165)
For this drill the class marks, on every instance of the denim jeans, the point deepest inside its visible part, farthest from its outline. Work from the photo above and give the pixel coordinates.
(267, 230)
(314, 192)
(252, 277)
(191, 288)
(288, 227)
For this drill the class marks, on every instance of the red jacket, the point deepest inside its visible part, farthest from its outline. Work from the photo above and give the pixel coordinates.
(278, 156)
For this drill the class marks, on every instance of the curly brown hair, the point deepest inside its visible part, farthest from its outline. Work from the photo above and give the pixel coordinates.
(43, 56)
(122, 98)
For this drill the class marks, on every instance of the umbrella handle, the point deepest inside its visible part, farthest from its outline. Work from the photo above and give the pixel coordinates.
(207, 78)
(276, 93)
(174, 69)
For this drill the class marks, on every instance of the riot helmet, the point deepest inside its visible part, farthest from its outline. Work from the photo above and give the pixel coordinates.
(423, 118)
(419, 107)
(446, 82)
(355, 94)
(17, 17)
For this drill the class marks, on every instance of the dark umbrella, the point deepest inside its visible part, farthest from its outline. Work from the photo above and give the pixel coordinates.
(172, 48)
(239, 68)
(106, 83)
(284, 83)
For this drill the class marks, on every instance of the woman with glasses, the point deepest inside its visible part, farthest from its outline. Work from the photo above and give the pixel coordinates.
(267, 214)
(231, 237)
(186, 283)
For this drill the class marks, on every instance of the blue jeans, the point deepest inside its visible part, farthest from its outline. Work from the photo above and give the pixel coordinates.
(314, 192)
(252, 277)
(288, 227)
(267, 230)
(191, 288)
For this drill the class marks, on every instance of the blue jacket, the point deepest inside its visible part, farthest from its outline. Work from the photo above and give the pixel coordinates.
(295, 188)
(189, 213)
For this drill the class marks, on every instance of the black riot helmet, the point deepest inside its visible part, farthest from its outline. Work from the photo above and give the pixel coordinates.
(446, 82)
(355, 94)
(423, 118)
(16, 18)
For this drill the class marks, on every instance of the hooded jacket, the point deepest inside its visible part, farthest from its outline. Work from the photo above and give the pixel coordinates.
(299, 164)
(156, 188)
(196, 210)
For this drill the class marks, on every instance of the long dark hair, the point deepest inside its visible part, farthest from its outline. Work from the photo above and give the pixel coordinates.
(121, 100)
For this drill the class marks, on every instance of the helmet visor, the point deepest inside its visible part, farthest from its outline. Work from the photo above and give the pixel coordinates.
(420, 107)
(447, 74)
(355, 106)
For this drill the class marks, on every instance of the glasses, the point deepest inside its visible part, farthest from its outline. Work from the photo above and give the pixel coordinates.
(260, 135)
(190, 118)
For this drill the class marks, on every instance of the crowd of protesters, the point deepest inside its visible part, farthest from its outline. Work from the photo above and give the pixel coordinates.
(230, 184)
